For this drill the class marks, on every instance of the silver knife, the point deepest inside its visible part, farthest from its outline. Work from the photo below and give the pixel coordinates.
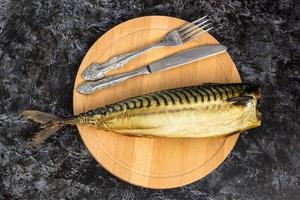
(175, 60)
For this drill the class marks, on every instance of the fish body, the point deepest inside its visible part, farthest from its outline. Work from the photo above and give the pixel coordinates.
(206, 110)
(197, 111)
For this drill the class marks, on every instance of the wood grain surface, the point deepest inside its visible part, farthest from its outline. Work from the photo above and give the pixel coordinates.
(153, 162)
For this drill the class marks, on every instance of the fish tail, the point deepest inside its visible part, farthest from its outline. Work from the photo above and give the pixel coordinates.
(50, 124)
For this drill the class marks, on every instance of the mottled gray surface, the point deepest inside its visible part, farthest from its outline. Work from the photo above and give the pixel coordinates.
(41, 46)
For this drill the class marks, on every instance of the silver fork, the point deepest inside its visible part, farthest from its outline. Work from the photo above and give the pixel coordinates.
(176, 37)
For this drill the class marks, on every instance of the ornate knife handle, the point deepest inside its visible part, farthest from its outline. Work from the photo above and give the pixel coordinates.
(93, 86)
(98, 70)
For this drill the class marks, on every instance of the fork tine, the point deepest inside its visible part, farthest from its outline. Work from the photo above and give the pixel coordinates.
(194, 31)
(190, 23)
(193, 27)
(195, 35)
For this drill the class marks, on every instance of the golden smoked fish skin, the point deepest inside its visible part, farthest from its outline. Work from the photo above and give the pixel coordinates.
(198, 111)
(207, 110)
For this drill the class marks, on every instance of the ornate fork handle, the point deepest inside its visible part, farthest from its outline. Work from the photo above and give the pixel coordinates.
(91, 86)
(98, 70)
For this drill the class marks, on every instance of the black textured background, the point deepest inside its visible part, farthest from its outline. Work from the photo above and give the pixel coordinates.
(41, 46)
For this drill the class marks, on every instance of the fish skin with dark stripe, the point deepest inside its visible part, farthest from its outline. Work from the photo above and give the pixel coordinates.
(207, 110)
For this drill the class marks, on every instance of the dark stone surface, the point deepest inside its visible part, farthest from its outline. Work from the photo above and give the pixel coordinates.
(41, 46)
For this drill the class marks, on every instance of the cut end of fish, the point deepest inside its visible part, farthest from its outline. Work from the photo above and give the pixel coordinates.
(258, 93)
(253, 90)
(258, 115)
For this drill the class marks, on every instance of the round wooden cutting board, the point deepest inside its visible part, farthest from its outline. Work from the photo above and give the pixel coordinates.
(153, 162)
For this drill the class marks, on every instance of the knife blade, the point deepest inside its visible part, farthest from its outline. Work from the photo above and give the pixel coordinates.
(175, 60)
(186, 57)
